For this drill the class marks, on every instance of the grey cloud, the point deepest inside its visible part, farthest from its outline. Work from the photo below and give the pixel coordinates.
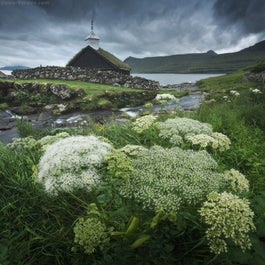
(247, 15)
(55, 29)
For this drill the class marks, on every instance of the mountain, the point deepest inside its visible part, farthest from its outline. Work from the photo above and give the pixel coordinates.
(15, 67)
(209, 62)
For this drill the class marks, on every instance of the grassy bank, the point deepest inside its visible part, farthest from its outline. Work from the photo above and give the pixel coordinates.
(153, 202)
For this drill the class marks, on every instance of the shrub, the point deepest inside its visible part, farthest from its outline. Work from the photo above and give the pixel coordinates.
(72, 163)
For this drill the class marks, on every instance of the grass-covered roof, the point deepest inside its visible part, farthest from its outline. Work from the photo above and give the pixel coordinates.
(113, 59)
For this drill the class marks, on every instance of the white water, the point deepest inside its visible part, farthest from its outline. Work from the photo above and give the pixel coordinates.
(169, 79)
(7, 72)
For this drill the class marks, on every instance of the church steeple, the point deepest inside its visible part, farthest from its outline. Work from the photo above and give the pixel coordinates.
(92, 38)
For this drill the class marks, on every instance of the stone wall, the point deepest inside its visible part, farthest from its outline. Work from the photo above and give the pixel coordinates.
(90, 75)
(255, 77)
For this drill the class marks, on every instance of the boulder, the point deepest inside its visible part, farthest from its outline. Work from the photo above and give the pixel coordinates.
(61, 91)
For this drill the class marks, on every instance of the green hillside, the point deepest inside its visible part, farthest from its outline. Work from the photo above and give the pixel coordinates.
(209, 62)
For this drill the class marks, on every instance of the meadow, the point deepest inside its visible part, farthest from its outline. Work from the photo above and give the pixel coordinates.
(174, 188)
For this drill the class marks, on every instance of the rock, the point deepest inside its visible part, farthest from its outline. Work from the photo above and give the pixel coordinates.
(61, 91)
(182, 87)
(254, 77)
(56, 107)
(6, 121)
(90, 75)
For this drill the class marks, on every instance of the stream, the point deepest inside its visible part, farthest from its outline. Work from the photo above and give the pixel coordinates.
(8, 130)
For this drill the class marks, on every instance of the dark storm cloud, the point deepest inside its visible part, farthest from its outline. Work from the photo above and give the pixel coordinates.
(52, 31)
(247, 15)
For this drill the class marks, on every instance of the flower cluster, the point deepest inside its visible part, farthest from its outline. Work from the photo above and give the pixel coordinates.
(143, 123)
(216, 141)
(167, 179)
(90, 233)
(255, 91)
(119, 164)
(50, 139)
(132, 150)
(177, 129)
(237, 181)
(22, 144)
(165, 97)
(71, 163)
(234, 93)
(228, 217)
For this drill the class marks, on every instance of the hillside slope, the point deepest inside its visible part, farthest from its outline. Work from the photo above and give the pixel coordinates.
(208, 62)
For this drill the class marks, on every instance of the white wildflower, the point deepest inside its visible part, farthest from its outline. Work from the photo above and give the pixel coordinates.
(167, 179)
(143, 123)
(237, 181)
(255, 91)
(132, 150)
(91, 234)
(71, 163)
(177, 129)
(234, 93)
(49, 139)
(228, 217)
(166, 97)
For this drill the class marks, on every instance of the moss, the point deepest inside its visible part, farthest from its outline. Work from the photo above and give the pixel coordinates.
(113, 59)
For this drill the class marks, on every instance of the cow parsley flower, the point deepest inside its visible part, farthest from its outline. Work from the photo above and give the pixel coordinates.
(22, 144)
(132, 150)
(228, 217)
(177, 129)
(143, 123)
(215, 140)
(255, 91)
(49, 139)
(234, 93)
(71, 163)
(165, 97)
(237, 181)
(167, 179)
(90, 233)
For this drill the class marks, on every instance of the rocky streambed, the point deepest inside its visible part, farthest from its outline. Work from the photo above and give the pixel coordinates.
(46, 118)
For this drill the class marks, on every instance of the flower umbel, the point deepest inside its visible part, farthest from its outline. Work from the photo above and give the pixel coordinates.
(237, 181)
(71, 163)
(228, 217)
(166, 179)
(143, 123)
(90, 233)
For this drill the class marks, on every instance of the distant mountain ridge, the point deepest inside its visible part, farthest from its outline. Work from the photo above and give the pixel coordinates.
(209, 62)
(14, 67)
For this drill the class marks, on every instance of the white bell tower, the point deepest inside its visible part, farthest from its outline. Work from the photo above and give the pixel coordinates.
(92, 38)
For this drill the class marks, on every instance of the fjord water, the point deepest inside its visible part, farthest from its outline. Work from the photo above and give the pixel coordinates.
(169, 79)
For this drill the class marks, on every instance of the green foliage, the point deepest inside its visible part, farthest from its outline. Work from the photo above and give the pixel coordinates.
(209, 62)
(114, 227)
(259, 67)
(3, 106)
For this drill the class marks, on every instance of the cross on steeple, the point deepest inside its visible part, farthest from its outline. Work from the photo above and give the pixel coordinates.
(92, 38)
(92, 25)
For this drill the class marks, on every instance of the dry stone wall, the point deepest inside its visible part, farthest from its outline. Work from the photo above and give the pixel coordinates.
(84, 74)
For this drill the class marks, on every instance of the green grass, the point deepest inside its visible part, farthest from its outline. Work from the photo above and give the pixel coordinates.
(88, 87)
(38, 229)
(113, 59)
(225, 82)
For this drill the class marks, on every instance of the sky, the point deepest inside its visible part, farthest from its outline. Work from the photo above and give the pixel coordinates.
(51, 32)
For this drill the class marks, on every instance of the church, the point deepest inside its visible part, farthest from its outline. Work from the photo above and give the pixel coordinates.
(94, 57)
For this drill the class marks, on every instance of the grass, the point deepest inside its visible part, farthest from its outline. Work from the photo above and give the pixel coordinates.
(225, 82)
(88, 87)
(37, 229)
